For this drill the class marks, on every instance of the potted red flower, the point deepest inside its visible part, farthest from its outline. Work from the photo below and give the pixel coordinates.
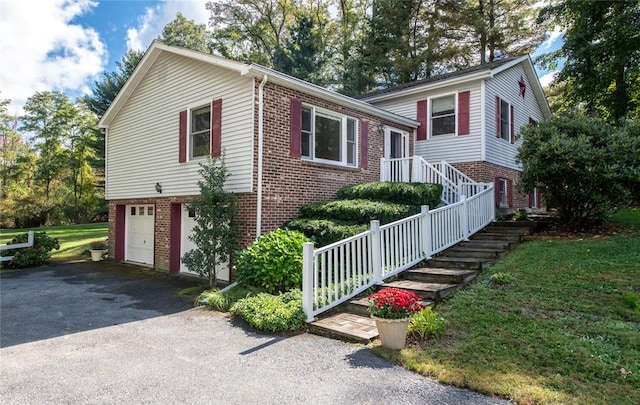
(391, 309)
(97, 249)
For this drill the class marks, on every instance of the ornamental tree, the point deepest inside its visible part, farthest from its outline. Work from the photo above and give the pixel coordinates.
(216, 231)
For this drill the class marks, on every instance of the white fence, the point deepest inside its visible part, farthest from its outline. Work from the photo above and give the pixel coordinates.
(335, 273)
(27, 244)
(415, 169)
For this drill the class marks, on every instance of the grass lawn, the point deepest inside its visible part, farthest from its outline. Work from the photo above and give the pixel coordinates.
(565, 329)
(73, 239)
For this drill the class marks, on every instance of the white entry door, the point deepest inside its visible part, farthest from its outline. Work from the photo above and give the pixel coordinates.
(186, 244)
(140, 229)
(396, 148)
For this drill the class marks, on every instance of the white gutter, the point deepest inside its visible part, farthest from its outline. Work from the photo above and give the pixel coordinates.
(260, 152)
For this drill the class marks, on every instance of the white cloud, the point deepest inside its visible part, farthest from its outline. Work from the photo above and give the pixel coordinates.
(557, 32)
(150, 24)
(41, 49)
(548, 78)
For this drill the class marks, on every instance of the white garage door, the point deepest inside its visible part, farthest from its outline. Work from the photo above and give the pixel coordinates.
(140, 227)
(188, 222)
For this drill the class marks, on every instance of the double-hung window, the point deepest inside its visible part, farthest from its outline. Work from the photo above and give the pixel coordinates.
(328, 137)
(503, 193)
(505, 120)
(200, 132)
(443, 115)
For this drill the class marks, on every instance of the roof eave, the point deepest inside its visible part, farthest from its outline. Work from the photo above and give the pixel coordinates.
(329, 95)
(430, 86)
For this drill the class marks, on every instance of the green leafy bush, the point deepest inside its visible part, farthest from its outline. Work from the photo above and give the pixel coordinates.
(273, 262)
(401, 193)
(632, 300)
(582, 166)
(37, 255)
(273, 313)
(222, 301)
(427, 323)
(500, 278)
(325, 231)
(520, 215)
(359, 211)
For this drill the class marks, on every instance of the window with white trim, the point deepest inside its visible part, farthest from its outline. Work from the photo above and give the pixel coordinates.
(505, 120)
(200, 132)
(329, 137)
(443, 115)
(503, 194)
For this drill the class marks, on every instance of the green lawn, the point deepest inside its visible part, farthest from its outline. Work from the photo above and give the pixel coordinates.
(73, 239)
(566, 329)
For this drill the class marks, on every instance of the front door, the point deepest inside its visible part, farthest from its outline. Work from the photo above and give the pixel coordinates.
(396, 150)
(140, 229)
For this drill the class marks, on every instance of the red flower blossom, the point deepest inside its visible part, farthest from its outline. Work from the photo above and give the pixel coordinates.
(393, 303)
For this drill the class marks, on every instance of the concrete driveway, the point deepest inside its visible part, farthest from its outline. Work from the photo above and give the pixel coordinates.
(101, 333)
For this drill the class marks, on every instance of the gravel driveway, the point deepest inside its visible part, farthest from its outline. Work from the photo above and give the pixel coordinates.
(110, 334)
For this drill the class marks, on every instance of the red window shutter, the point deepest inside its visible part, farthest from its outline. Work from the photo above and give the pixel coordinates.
(295, 141)
(175, 235)
(530, 201)
(216, 127)
(120, 227)
(464, 99)
(538, 196)
(496, 190)
(364, 144)
(512, 136)
(422, 118)
(182, 138)
(510, 192)
(498, 126)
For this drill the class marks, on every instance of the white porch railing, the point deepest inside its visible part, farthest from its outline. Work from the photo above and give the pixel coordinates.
(26, 244)
(416, 169)
(335, 273)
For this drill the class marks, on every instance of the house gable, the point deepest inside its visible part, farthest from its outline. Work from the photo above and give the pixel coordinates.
(144, 138)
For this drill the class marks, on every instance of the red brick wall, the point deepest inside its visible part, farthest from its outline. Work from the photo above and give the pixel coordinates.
(288, 182)
(486, 172)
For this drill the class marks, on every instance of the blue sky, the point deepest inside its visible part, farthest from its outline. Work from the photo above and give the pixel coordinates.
(66, 44)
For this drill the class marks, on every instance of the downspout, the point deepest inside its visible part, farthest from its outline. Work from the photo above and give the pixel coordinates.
(260, 152)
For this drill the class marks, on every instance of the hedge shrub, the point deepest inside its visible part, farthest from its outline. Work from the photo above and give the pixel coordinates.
(273, 313)
(273, 262)
(358, 211)
(401, 193)
(325, 231)
(34, 256)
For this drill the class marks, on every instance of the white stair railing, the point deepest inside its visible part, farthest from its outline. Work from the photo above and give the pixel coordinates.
(335, 273)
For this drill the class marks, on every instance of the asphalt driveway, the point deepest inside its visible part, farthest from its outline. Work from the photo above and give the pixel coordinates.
(100, 333)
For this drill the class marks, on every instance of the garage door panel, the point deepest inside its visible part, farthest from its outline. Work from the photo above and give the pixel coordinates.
(186, 244)
(140, 231)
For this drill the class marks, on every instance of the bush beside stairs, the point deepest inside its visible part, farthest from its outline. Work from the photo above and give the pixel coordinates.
(432, 280)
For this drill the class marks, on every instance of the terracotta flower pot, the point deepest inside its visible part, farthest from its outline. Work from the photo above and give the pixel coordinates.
(393, 332)
(96, 255)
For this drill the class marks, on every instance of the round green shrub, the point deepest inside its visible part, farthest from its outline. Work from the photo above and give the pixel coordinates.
(273, 262)
(273, 313)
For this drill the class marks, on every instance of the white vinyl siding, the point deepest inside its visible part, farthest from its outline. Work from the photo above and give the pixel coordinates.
(452, 148)
(142, 140)
(505, 85)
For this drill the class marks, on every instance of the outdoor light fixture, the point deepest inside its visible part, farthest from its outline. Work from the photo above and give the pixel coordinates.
(158, 188)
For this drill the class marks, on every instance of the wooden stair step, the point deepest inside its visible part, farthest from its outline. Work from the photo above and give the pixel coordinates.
(486, 244)
(466, 263)
(515, 224)
(507, 229)
(428, 291)
(440, 275)
(347, 326)
(497, 236)
(464, 251)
